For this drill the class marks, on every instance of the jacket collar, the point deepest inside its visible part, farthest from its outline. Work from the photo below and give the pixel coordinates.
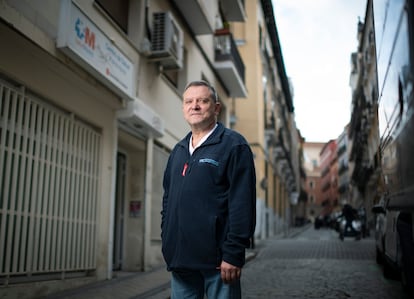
(214, 138)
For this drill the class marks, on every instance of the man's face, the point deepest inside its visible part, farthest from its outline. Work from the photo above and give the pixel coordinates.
(198, 108)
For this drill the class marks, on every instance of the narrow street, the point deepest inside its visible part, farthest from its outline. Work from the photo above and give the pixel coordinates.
(316, 264)
(309, 264)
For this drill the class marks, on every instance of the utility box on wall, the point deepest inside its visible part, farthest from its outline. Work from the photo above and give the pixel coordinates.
(166, 41)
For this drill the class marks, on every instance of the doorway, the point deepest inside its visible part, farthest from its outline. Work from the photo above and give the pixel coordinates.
(119, 216)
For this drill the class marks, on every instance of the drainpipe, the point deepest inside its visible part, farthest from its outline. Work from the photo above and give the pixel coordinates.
(148, 200)
(112, 203)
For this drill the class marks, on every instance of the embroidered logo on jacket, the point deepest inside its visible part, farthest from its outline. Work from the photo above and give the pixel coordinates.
(209, 161)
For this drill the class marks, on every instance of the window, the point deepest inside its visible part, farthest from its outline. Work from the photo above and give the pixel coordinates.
(177, 77)
(312, 199)
(117, 10)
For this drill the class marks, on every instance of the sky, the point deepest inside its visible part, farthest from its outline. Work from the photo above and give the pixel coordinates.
(317, 38)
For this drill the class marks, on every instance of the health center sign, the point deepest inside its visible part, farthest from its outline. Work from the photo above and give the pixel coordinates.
(84, 42)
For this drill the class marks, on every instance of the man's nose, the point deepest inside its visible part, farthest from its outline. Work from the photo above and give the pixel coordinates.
(196, 105)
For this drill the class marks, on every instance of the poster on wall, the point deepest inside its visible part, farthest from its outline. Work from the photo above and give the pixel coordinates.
(134, 208)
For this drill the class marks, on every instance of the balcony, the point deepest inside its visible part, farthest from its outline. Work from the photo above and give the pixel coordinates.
(342, 168)
(279, 153)
(228, 64)
(233, 10)
(195, 14)
(271, 137)
(343, 188)
(326, 186)
(324, 172)
(341, 150)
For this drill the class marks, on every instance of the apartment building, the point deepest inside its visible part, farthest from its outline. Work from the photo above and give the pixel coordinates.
(365, 154)
(90, 108)
(312, 167)
(329, 177)
(343, 167)
(300, 210)
(266, 118)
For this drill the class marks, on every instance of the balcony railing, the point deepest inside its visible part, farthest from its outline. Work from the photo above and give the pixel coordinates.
(229, 63)
(341, 150)
(342, 168)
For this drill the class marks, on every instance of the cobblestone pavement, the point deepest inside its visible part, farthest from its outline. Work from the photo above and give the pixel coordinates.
(316, 264)
(309, 264)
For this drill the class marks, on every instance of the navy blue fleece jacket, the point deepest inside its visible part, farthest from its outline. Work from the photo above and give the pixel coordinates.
(209, 202)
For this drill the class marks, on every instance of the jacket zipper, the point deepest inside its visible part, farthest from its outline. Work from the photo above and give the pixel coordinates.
(184, 168)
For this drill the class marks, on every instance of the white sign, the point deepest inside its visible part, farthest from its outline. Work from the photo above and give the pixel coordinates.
(79, 38)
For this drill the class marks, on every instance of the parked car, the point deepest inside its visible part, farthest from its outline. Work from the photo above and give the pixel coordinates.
(320, 221)
(327, 220)
(394, 250)
(379, 233)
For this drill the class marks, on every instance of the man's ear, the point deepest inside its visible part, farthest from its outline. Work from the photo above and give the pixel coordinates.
(217, 108)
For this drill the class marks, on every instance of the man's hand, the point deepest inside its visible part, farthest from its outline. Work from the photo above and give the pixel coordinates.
(229, 273)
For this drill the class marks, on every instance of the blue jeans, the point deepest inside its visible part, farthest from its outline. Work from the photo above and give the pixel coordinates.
(188, 284)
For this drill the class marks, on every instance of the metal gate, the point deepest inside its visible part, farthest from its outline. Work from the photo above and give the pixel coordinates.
(49, 173)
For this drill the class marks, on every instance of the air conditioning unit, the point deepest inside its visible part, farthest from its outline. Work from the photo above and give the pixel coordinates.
(166, 41)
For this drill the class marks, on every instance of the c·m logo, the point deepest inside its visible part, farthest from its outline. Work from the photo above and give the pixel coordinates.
(84, 33)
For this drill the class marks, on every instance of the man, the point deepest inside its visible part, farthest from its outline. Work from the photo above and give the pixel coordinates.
(208, 212)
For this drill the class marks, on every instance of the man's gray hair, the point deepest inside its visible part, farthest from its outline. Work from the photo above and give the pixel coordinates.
(213, 92)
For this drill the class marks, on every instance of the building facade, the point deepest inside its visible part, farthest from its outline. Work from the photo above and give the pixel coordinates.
(343, 167)
(365, 154)
(266, 118)
(91, 107)
(329, 177)
(312, 166)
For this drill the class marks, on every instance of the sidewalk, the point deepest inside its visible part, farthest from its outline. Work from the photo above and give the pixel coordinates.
(154, 284)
